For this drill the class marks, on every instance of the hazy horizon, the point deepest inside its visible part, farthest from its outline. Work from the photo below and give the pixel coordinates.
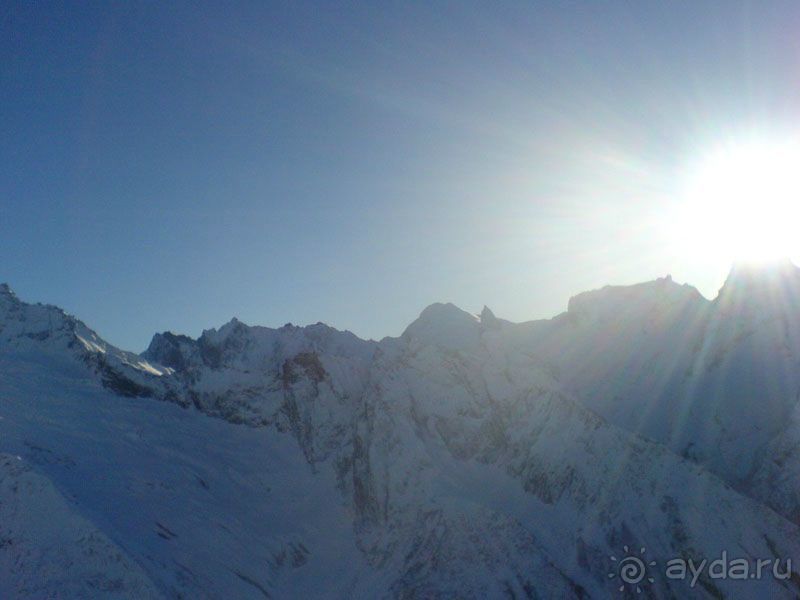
(471, 310)
(170, 167)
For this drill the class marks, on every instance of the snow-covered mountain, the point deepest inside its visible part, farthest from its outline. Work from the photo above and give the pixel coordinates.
(471, 457)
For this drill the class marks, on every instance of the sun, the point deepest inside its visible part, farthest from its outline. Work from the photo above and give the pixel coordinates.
(741, 203)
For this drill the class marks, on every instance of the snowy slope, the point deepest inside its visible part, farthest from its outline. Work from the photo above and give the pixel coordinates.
(717, 382)
(470, 458)
(47, 546)
(206, 508)
(491, 440)
(39, 329)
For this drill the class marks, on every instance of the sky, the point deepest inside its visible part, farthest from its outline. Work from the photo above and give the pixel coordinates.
(168, 166)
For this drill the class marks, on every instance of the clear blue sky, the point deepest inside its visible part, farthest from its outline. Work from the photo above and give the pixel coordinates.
(171, 165)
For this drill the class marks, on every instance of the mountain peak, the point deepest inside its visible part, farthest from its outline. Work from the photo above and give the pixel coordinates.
(765, 285)
(6, 291)
(444, 324)
(488, 319)
(8, 299)
(616, 300)
(170, 349)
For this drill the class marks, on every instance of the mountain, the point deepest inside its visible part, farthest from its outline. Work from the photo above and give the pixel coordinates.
(716, 382)
(471, 457)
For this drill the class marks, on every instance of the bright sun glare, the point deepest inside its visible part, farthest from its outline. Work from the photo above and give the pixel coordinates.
(742, 203)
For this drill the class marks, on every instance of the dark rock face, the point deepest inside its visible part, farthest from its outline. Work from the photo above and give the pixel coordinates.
(120, 384)
(211, 353)
(167, 349)
(308, 363)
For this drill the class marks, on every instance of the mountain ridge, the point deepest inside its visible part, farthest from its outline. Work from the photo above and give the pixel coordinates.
(468, 457)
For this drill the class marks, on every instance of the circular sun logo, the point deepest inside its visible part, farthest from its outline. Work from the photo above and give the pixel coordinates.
(632, 570)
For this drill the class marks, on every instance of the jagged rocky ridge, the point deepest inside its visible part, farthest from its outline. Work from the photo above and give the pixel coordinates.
(471, 457)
